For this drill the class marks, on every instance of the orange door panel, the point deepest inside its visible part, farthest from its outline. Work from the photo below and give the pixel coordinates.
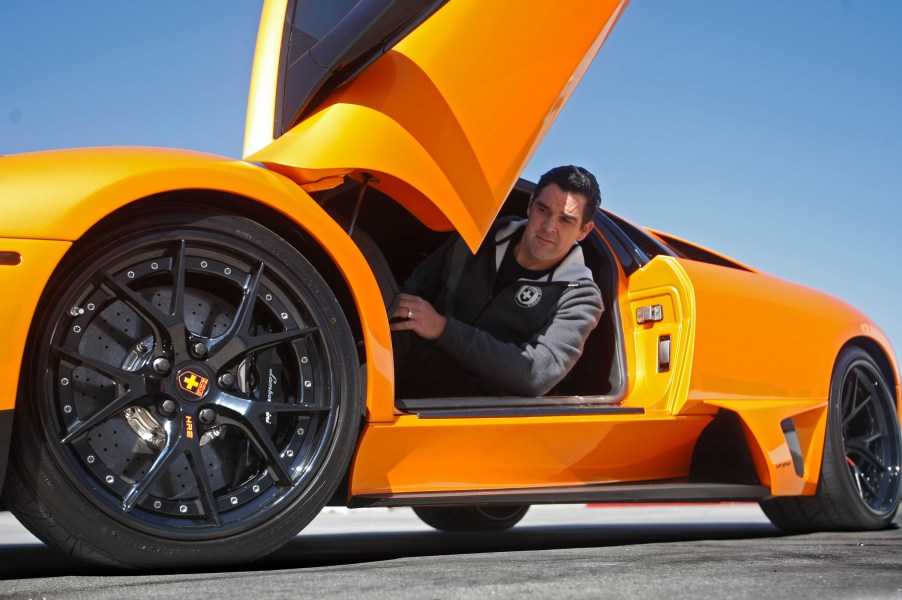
(420, 455)
(427, 455)
(448, 117)
(659, 351)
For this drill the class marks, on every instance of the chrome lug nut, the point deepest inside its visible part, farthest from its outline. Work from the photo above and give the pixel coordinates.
(199, 349)
(226, 380)
(168, 407)
(207, 416)
(161, 365)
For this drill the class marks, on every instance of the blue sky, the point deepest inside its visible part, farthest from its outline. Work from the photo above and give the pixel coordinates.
(769, 130)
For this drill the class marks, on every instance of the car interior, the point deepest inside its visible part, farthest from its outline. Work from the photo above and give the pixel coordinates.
(394, 242)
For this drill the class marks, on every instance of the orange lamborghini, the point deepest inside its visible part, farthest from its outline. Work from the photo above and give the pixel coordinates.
(196, 350)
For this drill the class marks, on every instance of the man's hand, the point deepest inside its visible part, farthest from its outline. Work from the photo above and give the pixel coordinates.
(417, 315)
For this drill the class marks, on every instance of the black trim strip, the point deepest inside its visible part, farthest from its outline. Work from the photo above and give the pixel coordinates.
(416, 404)
(6, 433)
(446, 408)
(601, 494)
(536, 411)
(631, 258)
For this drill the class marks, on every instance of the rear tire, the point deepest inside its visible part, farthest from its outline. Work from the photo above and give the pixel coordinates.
(471, 518)
(189, 395)
(859, 485)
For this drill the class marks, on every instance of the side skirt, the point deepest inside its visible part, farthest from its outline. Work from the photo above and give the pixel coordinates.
(600, 494)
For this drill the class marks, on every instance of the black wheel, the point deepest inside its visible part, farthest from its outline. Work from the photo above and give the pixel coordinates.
(189, 395)
(859, 486)
(471, 518)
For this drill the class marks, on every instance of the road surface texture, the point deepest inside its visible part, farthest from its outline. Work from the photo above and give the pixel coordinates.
(644, 551)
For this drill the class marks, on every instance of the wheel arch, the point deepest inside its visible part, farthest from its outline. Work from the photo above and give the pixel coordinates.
(92, 188)
(885, 362)
(160, 225)
(332, 253)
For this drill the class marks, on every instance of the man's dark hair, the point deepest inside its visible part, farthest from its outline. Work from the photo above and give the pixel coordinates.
(573, 180)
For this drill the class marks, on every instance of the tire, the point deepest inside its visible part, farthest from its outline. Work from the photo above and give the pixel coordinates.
(189, 395)
(859, 485)
(471, 518)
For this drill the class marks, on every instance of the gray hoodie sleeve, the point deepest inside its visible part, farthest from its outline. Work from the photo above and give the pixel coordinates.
(530, 369)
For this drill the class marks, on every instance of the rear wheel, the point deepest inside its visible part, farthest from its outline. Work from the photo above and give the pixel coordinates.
(189, 395)
(471, 518)
(859, 486)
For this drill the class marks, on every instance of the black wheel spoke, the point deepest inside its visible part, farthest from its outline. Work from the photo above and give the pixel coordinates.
(260, 439)
(856, 406)
(858, 447)
(254, 409)
(177, 301)
(258, 343)
(81, 427)
(863, 483)
(133, 383)
(202, 476)
(241, 346)
(129, 379)
(248, 415)
(241, 322)
(170, 452)
(157, 321)
(246, 307)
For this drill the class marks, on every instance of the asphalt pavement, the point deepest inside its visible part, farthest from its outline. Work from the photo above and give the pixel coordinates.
(644, 551)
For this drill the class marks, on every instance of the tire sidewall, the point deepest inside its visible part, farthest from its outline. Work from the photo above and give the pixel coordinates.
(836, 482)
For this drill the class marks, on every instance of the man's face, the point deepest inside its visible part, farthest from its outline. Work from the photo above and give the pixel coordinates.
(555, 224)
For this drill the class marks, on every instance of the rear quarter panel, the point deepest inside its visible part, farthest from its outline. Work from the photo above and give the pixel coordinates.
(765, 349)
(760, 337)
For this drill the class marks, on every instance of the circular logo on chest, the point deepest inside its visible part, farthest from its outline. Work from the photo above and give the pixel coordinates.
(529, 296)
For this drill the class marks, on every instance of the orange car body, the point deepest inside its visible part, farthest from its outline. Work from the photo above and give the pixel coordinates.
(445, 134)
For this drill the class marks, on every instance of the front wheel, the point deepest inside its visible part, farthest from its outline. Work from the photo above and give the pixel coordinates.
(859, 487)
(471, 518)
(189, 395)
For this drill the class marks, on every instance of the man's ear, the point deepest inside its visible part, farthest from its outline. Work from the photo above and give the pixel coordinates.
(584, 231)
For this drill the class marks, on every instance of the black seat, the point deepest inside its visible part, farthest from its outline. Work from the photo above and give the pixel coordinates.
(600, 371)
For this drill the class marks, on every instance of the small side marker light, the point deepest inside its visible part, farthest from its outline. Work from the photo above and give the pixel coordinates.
(10, 259)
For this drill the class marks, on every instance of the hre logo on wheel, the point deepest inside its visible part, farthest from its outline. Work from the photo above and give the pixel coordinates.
(193, 383)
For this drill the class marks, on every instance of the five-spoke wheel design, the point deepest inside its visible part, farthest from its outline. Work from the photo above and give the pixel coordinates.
(194, 382)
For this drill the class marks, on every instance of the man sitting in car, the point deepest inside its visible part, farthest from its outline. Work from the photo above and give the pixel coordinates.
(511, 319)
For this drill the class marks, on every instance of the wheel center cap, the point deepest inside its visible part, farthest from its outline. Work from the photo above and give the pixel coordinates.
(193, 383)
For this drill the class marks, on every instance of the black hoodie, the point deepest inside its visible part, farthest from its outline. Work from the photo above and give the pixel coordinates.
(522, 340)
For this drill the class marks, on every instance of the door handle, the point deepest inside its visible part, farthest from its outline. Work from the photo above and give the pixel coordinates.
(650, 314)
